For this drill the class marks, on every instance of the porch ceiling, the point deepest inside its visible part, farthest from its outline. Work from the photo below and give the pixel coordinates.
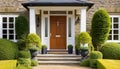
(32, 3)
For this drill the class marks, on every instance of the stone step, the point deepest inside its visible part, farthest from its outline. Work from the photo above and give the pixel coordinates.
(58, 55)
(59, 58)
(57, 52)
(58, 62)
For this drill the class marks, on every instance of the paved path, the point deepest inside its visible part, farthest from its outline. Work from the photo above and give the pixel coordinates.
(60, 67)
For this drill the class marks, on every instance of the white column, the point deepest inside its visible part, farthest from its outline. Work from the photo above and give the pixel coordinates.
(83, 20)
(32, 24)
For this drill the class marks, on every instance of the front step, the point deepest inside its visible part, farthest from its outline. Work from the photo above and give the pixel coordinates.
(58, 51)
(58, 59)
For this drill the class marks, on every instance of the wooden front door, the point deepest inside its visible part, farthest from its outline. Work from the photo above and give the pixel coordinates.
(57, 32)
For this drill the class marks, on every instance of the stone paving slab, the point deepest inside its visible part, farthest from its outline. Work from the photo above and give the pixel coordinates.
(60, 67)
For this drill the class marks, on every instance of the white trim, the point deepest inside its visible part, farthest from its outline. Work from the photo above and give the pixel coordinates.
(83, 20)
(32, 26)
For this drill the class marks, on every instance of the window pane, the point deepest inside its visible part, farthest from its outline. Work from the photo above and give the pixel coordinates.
(115, 37)
(4, 25)
(46, 27)
(4, 19)
(110, 32)
(11, 19)
(57, 12)
(115, 19)
(69, 28)
(115, 31)
(5, 36)
(4, 31)
(11, 36)
(115, 25)
(11, 31)
(45, 12)
(11, 26)
(70, 12)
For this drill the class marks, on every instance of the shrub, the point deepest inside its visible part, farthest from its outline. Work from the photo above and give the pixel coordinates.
(44, 46)
(33, 41)
(100, 28)
(21, 26)
(93, 63)
(24, 54)
(85, 62)
(34, 63)
(70, 46)
(96, 55)
(8, 64)
(111, 50)
(20, 66)
(8, 50)
(24, 62)
(84, 38)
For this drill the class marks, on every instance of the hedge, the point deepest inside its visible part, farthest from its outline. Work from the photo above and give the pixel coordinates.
(108, 64)
(8, 64)
(8, 50)
(111, 50)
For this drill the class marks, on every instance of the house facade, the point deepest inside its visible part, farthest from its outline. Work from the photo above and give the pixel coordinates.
(57, 22)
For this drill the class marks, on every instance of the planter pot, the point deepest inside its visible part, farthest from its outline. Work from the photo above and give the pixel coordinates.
(77, 52)
(44, 51)
(70, 50)
(33, 53)
(84, 52)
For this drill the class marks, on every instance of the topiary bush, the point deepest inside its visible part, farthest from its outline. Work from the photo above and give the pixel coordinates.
(85, 62)
(33, 41)
(96, 55)
(100, 28)
(24, 54)
(8, 50)
(22, 27)
(34, 63)
(111, 50)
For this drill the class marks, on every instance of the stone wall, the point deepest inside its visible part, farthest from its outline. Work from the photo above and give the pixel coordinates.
(112, 6)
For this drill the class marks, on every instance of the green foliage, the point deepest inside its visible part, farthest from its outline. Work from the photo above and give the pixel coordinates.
(84, 38)
(8, 50)
(85, 62)
(33, 40)
(34, 63)
(24, 63)
(111, 50)
(44, 46)
(21, 44)
(93, 63)
(8, 64)
(21, 26)
(24, 54)
(77, 47)
(70, 46)
(100, 28)
(96, 55)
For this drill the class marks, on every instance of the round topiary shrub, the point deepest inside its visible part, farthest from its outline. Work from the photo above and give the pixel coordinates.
(85, 62)
(24, 54)
(96, 55)
(100, 28)
(34, 63)
(111, 50)
(22, 27)
(8, 50)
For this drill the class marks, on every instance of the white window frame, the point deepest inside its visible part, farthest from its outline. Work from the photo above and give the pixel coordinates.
(113, 16)
(1, 27)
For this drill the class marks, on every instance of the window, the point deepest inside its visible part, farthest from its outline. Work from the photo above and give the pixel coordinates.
(57, 12)
(8, 27)
(69, 26)
(115, 28)
(46, 27)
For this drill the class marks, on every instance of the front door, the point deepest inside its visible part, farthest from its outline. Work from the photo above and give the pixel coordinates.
(57, 32)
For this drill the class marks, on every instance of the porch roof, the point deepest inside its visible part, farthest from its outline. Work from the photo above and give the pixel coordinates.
(57, 3)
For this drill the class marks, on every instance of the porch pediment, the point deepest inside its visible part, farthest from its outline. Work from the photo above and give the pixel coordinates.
(57, 3)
